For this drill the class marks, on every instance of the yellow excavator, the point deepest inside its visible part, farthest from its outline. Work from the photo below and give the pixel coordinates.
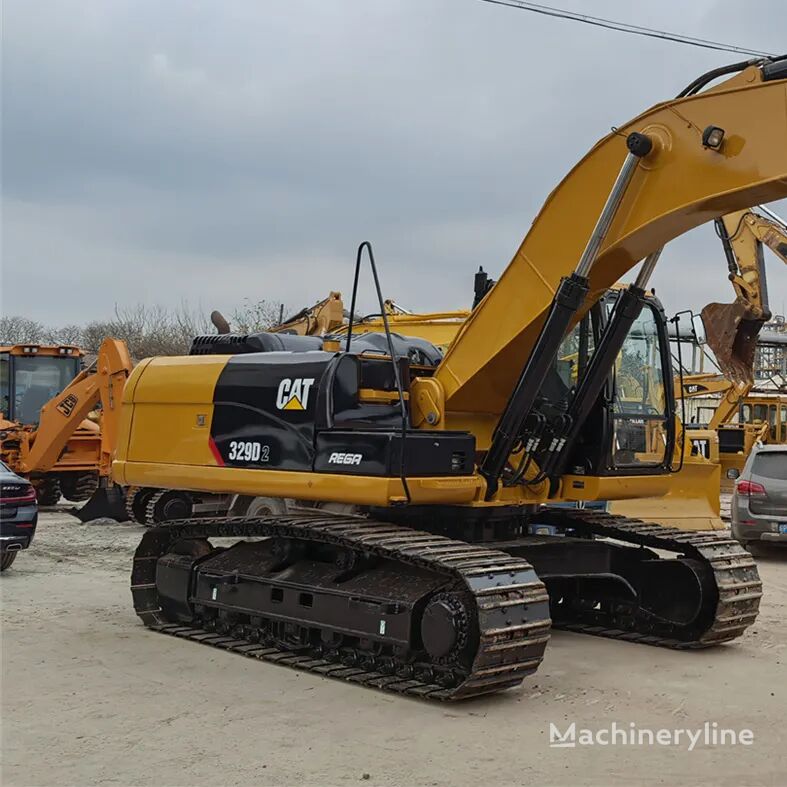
(741, 419)
(324, 317)
(732, 329)
(439, 328)
(58, 423)
(422, 558)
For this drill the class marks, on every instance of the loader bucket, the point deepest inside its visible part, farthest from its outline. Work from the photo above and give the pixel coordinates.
(732, 334)
(107, 502)
(691, 504)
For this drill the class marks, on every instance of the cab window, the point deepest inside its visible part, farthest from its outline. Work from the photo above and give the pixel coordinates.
(640, 405)
(36, 380)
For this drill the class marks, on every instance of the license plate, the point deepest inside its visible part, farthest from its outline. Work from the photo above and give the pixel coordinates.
(783, 527)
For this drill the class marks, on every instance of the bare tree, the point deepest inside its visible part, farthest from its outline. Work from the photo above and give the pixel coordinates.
(147, 330)
(68, 334)
(15, 329)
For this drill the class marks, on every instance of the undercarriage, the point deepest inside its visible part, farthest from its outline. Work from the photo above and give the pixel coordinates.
(417, 612)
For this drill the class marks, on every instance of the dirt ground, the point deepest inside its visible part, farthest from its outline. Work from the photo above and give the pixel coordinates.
(90, 697)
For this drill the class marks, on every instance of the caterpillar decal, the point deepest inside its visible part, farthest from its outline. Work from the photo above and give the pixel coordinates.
(293, 394)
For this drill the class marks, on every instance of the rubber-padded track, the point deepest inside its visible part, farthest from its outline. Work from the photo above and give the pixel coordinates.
(733, 569)
(511, 603)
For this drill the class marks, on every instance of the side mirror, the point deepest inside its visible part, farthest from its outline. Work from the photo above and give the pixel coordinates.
(698, 328)
(733, 473)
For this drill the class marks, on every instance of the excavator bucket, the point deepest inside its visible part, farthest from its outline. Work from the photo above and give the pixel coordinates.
(107, 502)
(731, 333)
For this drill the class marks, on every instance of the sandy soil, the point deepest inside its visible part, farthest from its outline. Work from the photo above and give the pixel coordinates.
(90, 697)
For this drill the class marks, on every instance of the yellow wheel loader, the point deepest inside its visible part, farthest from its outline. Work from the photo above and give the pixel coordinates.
(58, 422)
(422, 558)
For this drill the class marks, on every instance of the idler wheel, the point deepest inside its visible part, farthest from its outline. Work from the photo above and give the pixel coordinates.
(444, 626)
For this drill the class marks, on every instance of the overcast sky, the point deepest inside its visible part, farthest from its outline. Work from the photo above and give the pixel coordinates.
(161, 151)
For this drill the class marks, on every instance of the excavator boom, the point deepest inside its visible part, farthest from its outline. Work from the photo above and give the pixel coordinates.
(680, 184)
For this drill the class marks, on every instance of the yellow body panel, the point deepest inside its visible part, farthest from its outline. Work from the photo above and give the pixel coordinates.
(167, 419)
(360, 490)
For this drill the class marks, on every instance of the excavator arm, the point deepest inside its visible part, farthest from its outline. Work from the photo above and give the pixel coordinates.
(325, 316)
(687, 176)
(315, 320)
(732, 328)
(63, 414)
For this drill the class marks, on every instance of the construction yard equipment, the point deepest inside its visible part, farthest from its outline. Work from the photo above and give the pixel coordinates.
(731, 332)
(324, 317)
(740, 418)
(692, 502)
(410, 565)
(732, 328)
(58, 426)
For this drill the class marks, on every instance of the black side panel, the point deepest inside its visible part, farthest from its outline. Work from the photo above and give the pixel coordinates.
(264, 409)
(378, 453)
(412, 348)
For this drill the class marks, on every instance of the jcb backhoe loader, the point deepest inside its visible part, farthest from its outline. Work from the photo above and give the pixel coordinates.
(412, 568)
(46, 433)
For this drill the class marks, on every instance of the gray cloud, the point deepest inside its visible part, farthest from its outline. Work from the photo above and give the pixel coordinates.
(161, 151)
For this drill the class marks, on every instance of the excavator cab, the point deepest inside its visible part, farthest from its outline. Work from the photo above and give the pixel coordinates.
(631, 427)
(30, 376)
(641, 414)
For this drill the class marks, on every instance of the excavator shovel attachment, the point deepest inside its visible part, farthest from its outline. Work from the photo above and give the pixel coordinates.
(731, 333)
(107, 502)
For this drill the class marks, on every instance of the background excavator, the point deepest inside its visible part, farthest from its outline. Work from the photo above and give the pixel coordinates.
(58, 423)
(741, 418)
(324, 317)
(732, 329)
(411, 566)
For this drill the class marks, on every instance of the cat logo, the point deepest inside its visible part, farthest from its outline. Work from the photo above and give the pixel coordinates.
(67, 405)
(294, 394)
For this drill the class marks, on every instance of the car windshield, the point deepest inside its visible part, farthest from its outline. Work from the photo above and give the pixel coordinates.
(771, 465)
